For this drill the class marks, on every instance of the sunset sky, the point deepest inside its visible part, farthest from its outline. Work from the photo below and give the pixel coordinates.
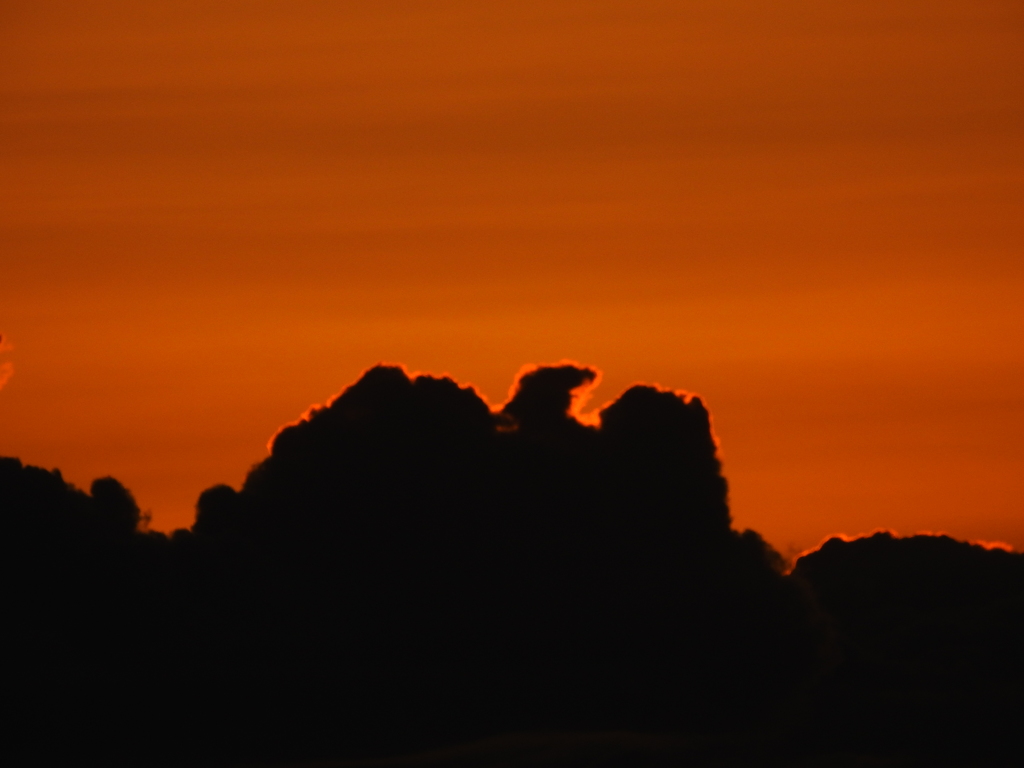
(811, 212)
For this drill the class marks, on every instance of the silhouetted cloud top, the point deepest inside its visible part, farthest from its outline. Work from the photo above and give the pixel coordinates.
(550, 571)
(39, 507)
(931, 631)
(543, 397)
(410, 566)
(883, 584)
(440, 447)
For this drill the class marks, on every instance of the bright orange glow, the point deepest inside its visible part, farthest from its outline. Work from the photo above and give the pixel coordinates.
(994, 545)
(213, 215)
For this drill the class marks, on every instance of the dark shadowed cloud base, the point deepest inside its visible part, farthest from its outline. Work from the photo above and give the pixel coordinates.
(410, 568)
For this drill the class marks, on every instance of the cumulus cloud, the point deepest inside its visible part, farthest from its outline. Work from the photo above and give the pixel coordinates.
(410, 566)
(420, 566)
(931, 630)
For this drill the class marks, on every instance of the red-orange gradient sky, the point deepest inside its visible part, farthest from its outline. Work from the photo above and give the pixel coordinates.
(809, 211)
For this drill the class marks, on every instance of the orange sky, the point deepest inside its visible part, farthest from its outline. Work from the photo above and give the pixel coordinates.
(811, 212)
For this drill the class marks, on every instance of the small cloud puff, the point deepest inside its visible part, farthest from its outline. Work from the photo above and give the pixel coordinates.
(7, 367)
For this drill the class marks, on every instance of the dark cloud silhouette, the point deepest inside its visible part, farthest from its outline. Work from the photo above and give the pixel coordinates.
(40, 508)
(543, 397)
(411, 568)
(932, 632)
(520, 567)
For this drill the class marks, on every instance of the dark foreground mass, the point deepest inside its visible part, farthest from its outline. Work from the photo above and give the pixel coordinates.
(409, 570)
